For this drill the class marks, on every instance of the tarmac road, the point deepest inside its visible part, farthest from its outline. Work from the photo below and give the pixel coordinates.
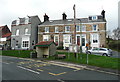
(29, 69)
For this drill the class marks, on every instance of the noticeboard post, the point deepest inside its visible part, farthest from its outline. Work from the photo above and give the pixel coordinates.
(74, 48)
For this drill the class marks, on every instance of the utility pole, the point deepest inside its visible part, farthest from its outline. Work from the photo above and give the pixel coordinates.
(74, 33)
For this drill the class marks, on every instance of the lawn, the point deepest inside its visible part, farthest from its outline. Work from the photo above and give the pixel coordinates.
(17, 53)
(94, 60)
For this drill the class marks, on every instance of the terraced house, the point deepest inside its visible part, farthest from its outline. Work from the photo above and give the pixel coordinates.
(90, 31)
(24, 32)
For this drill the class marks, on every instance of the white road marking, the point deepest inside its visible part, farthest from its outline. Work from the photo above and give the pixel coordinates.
(5, 62)
(29, 70)
(60, 80)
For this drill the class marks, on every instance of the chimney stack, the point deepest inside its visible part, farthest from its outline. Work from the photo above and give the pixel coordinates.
(46, 18)
(64, 16)
(103, 14)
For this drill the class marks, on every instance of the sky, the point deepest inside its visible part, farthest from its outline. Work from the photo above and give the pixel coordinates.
(12, 9)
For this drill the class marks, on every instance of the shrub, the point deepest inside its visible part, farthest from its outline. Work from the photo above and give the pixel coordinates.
(60, 48)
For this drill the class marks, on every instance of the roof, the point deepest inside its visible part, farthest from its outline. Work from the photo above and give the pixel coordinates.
(44, 44)
(6, 35)
(70, 21)
(66, 21)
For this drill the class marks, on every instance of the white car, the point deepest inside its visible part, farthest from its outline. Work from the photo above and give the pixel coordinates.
(101, 51)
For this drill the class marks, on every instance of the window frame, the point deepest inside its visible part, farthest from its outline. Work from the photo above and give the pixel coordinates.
(17, 32)
(94, 27)
(46, 29)
(66, 29)
(56, 29)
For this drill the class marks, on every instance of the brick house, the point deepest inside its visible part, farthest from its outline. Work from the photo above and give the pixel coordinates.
(90, 31)
(24, 32)
(5, 37)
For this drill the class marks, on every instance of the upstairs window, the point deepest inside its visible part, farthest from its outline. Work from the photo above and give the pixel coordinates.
(77, 28)
(94, 17)
(94, 27)
(67, 28)
(56, 30)
(83, 28)
(26, 31)
(17, 32)
(46, 29)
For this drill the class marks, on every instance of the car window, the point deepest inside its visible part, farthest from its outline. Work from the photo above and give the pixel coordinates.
(95, 49)
(102, 49)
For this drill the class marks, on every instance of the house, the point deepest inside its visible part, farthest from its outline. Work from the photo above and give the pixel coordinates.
(5, 37)
(90, 31)
(24, 32)
(45, 49)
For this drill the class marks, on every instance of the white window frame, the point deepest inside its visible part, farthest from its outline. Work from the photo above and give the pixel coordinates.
(56, 29)
(46, 29)
(95, 38)
(26, 31)
(55, 39)
(94, 17)
(24, 44)
(93, 27)
(17, 32)
(77, 27)
(83, 26)
(67, 37)
(66, 29)
(47, 37)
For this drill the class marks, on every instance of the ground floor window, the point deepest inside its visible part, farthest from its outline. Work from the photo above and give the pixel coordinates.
(46, 37)
(25, 44)
(56, 39)
(67, 38)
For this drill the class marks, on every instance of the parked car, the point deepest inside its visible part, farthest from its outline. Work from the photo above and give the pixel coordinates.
(100, 51)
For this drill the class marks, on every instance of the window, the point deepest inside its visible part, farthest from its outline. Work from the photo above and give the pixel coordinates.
(67, 28)
(26, 31)
(25, 44)
(94, 27)
(56, 39)
(46, 29)
(17, 32)
(83, 28)
(83, 41)
(46, 37)
(102, 49)
(67, 39)
(26, 20)
(94, 17)
(56, 30)
(95, 38)
(77, 28)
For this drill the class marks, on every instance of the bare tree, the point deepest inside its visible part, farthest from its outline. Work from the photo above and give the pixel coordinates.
(117, 33)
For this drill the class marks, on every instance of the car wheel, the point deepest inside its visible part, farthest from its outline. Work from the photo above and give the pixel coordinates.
(104, 54)
(88, 52)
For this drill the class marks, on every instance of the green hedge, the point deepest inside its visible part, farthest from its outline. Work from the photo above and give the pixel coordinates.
(17, 53)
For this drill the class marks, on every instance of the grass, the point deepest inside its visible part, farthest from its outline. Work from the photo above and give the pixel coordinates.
(94, 60)
(17, 53)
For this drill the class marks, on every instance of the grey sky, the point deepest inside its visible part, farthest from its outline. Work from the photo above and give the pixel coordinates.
(12, 9)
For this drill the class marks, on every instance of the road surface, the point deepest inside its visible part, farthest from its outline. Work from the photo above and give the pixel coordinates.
(28, 69)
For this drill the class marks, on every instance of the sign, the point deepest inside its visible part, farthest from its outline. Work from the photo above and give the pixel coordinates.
(73, 48)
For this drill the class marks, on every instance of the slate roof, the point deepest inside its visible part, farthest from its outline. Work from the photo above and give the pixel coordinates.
(6, 35)
(44, 44)
(69, 21)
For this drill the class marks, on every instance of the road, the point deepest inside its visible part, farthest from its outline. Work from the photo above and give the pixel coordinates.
(28, 69)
